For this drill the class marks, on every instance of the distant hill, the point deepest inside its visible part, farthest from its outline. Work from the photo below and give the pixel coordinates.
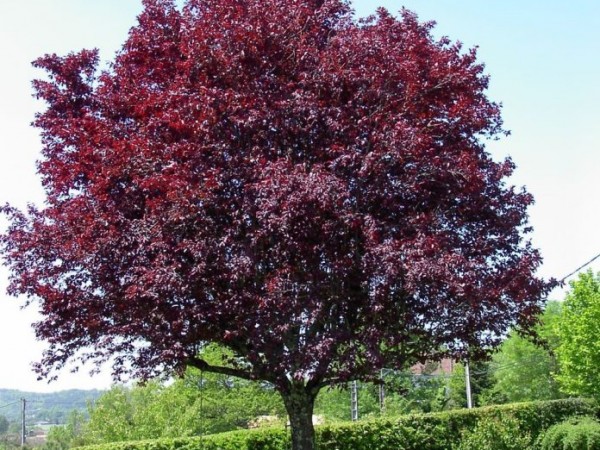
(53, 407)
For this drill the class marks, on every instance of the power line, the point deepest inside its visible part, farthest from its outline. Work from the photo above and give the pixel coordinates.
(10, 404)
(579, 268)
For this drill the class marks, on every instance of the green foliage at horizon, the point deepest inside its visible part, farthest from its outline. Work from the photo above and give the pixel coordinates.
(53, 407)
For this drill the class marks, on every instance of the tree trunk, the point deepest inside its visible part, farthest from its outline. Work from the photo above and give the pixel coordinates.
(299, 403)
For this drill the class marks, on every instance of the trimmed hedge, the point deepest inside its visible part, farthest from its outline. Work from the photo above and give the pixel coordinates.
(434, 431)
(581, 433)
(439, 431)
(497, 434)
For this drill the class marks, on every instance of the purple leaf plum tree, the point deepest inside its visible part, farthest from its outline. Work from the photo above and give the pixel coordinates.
(311, 191)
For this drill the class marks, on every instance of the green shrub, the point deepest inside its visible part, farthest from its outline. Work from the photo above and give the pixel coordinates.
(439, 431)
(434, 431)
(263, 439)
(494, 434)
(580, 433)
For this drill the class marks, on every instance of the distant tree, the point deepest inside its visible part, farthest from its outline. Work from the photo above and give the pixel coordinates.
(311, 191)
(200, 403)
(526, 371)
(69, 435)
(4, 424)
(10, 441)
(404, 392)
(112, 417)
(182, 409)
(334, 404)
(578, 330)
(407, 392)
(480, 379)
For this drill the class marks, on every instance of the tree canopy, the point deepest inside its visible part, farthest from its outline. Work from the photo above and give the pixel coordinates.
(578, 330)
(311, 191)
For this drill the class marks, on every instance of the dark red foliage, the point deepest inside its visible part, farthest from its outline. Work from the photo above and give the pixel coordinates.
(311, 192)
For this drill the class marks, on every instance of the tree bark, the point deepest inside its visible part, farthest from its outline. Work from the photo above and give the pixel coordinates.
(299, 403)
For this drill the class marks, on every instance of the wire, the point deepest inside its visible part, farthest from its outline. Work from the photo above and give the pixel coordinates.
(579, 268)
(10, 404)
(50, 403)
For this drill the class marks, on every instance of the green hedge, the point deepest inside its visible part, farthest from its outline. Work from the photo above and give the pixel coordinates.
(440, 431)
(497, 434)
(435, 431)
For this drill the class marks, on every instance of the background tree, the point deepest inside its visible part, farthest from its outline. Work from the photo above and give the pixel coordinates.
(407, 392)
(578, 330)
(4, 423)
(200, 403)
(334, 404)
(197, 405)
(481, 382)
(310, 191)
(525, 371)
(69, 435)
(52, 407)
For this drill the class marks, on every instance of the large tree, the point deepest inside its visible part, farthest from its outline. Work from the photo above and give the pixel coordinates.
(310, 191)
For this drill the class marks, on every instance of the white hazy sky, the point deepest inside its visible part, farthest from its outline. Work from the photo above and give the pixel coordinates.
(543, 57)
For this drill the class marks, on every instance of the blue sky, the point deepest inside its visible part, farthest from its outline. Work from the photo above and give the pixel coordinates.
(543, 58)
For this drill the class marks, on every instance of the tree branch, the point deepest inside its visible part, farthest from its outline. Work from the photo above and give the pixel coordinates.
(230, 371)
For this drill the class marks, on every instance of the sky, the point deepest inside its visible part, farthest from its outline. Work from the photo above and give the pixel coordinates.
(542, 57)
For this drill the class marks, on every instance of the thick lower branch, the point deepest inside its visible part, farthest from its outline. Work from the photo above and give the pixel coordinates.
(230, 371)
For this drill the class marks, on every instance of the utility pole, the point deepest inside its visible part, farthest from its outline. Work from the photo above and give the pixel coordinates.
(354, 400)
(381, 393)
(23, 405)
(468, 383)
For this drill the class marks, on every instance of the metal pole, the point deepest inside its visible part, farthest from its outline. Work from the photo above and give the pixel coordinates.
(354, 400)
(468, 383)
(381, 394)
(23, 405)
